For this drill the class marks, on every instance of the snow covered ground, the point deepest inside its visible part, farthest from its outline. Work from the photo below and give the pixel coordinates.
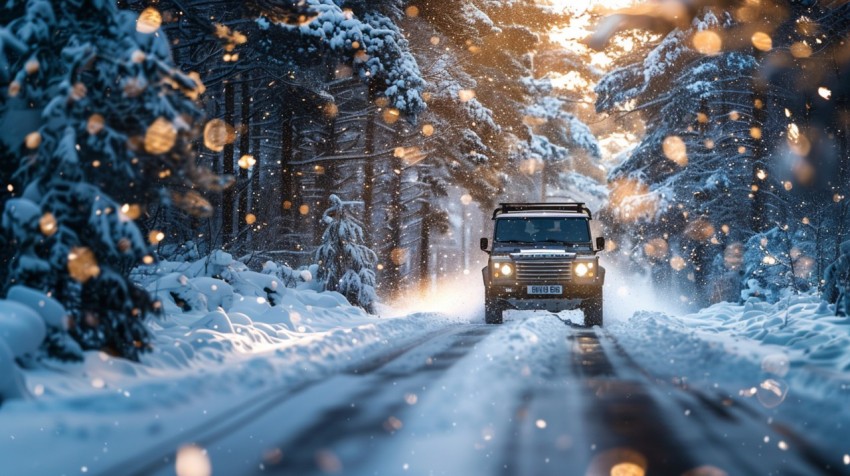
(206, 362)
(790, 359)
(233, 353)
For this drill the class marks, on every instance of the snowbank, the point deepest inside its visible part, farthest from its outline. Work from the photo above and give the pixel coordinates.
(25, 317)
(791, 358)
(228, 335)
(802, 327)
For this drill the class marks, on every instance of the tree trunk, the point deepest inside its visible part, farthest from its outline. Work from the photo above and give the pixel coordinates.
(758, 220)
(255, 205)
(227, 161)
(244, 149)
(326, 176)
(397, 254)
(369, 179)
(288, 187)
(425, 245)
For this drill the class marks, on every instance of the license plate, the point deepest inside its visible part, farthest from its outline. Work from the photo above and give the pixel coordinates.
(545, 289)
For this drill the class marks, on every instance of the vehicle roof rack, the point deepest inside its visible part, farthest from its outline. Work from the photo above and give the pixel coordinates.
(574, 207)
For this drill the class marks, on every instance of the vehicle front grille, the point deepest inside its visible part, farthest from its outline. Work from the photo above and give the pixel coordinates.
(543, 271)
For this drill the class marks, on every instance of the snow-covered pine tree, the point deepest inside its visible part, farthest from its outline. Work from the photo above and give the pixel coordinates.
(458, 131)
(836, 290)
(346, 265)
(779, 260)
(681, 191)
(103, 130)
(557, 138)
(742, 136)
(317, 55)
(381, 54)
(494, 112)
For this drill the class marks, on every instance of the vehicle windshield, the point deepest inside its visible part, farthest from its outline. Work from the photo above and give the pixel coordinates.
(542, 230)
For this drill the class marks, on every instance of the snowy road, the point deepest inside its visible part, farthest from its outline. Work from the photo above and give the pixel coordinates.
(534, 396)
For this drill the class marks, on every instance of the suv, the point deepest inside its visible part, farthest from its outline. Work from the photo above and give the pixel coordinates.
(543, 258)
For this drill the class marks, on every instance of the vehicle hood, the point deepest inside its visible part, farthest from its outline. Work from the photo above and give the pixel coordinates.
(530, 251)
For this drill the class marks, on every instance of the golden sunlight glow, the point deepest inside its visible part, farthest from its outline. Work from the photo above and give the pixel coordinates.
(572, 81)
(247, 161)
(466, 95)
(217, 134)
(801, 50)
(707, 42)
(160, 136)
(627, 469)
(47, 224)
(618, 462)
(95, 124)
(33, 140)
(192, 461)
(410, 155)
(678, 263)
(656, 248)
(155, 237)
(400, 256)
(632, 200)
(675, 150)
(391, 115)
(579, 8)
(82, 264)
(32, 66)
(149, 21)
(762, 41)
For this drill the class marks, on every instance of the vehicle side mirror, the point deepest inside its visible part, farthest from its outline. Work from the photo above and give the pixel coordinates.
(484, 244)
(600, 243)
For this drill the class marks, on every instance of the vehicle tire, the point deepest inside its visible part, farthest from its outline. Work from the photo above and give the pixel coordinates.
(593, 311)
(493, 311)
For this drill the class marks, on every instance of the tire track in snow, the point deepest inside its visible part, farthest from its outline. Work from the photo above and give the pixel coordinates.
(627, 424)
(344, 435)
(720, 432)
(589, 418)
(604, 410)
(161, 458)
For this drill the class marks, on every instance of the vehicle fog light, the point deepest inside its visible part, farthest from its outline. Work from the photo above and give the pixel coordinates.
(581, 270)
(507, 270)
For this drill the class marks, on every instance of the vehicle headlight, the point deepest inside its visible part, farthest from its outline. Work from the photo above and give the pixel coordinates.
(584, 270)
(581, 270)
(502, 268)
(506, 269)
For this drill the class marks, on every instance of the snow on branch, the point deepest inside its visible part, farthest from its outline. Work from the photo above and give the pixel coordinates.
(380, 52)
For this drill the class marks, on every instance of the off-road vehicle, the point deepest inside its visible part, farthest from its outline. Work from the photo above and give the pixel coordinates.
(543, 257)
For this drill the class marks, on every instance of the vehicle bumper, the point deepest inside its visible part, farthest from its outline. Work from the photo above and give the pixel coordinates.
(517, 297)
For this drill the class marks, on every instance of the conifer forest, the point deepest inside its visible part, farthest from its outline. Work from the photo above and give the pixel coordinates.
(241, 205)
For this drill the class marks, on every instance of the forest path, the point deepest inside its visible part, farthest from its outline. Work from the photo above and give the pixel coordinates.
(534, 396)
